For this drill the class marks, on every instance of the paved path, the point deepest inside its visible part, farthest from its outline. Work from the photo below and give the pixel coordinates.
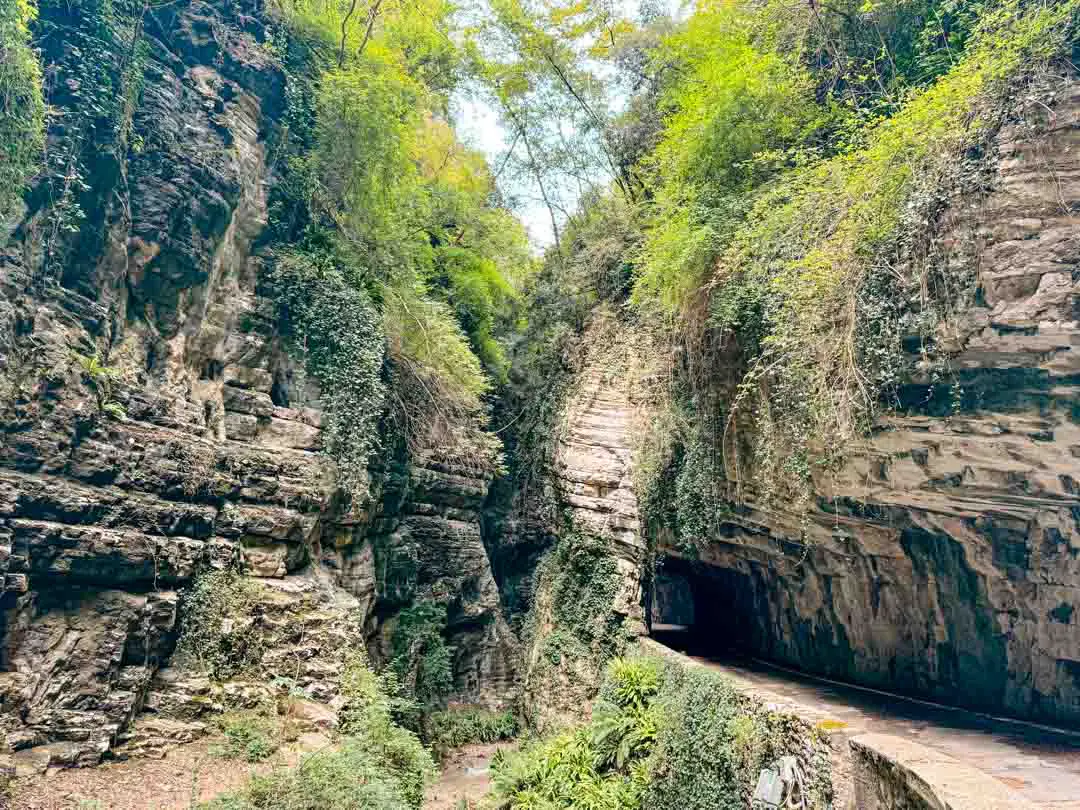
(1041, 763)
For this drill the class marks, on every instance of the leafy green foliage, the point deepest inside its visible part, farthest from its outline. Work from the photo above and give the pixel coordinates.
(378, 180)
(735, 118)
(797, 273)
(377, 765)
(217, 625)
(102, 379)
(422, 660)
(580, 580)
(22, 106)
(337, 329)
(662, 735)
(805, 159)
(248, 736)
(462, 725)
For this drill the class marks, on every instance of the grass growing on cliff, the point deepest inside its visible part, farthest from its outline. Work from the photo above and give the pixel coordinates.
(217, 634)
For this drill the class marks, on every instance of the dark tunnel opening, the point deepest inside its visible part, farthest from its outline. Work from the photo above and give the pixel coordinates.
(704, 610)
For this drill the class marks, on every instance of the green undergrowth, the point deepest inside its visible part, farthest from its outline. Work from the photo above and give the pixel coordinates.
(458, 726)
(249, 736)
(663, 734)
(374, 764)
(218, 634)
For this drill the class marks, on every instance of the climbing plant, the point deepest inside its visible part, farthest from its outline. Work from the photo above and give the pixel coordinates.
(22, 106)
(336, 328)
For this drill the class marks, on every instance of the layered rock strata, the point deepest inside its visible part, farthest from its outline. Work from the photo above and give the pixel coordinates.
(154, 428)
(594, 456)
(944, 559)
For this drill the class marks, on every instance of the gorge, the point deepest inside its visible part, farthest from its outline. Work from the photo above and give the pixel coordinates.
(290, 409)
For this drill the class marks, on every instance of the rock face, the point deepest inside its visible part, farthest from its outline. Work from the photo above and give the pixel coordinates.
(586, 595)
(104, 520)
(944, 559)
(594, 458)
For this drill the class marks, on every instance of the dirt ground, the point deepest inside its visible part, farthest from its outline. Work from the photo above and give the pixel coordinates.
(194, 773)
(465, 778)
(190, 774)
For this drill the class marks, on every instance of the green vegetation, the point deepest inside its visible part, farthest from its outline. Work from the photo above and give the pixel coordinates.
(95, 53)
(249, 736)
(770, 193)
(801, 281)
(581, 581)
(388, 214)
(422, 661)
(662, 735)
(457, 726)
(218, 633)
(376, 764)
(338, 328)
(102, 379)
(22, 106)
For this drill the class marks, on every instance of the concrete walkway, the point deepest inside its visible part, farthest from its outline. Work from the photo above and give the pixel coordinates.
(1041, 764)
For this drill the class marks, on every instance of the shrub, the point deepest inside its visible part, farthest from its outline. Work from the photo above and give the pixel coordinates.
(663, 735)
(560, 772)
(377, 766)
(218, 633)
(248, 736)
(712, 742)
(342, 779)
(455, 727)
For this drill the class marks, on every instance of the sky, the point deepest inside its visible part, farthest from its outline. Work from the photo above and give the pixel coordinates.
(478, 126)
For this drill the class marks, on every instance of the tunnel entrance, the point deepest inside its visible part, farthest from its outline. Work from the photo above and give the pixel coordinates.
(704, 610)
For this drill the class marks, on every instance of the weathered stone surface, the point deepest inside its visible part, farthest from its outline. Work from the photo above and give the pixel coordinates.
(944, 559)
(594, 459)
(104, 522)
(429, 548)
(891, 773)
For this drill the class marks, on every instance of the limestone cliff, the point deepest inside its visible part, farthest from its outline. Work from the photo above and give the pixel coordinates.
(587, 597)
(200, 450)
(942, 560)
